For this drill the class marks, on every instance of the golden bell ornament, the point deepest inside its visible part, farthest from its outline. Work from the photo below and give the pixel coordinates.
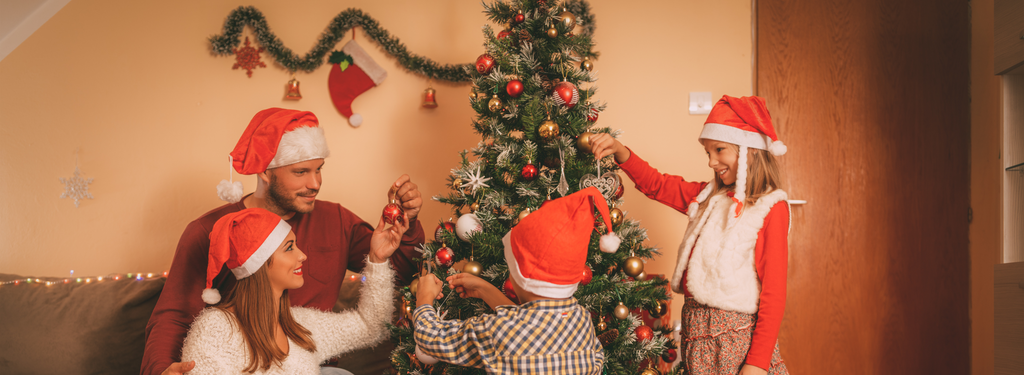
(633, 266)
(621, 311)
(586, 64)
(601, 326)
(583, 142)
(548, 130)
(552, 32)
(428, 98)
(568, 19)
(473, 267)
(494, 104)
(291, 90)
(616, 216)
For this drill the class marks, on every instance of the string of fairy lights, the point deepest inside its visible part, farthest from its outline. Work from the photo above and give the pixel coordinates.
(136, 276)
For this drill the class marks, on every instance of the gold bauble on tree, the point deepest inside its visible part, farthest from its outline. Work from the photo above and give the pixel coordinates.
(641, 277)
(457, 183)
(616, 216)
(552, 32)
(548, 130)
(474, 207)
(494, 104)
(524, 213)
(650, 371)
(601, 326)
(473, 267)
(568, 19)
(633, 266)
(586, 64)
(621, 311)
(583, 142)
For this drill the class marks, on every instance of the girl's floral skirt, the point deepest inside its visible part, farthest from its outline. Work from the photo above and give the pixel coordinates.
(716, 341)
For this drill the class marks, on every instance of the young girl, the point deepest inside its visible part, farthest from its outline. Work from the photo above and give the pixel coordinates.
(732, 262)
(255, 329)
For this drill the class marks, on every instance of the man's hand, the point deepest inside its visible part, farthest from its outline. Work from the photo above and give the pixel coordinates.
(429, 289)
(752, 370)
(603, 144)
(384, 241)
(407, 194)
(179, 368)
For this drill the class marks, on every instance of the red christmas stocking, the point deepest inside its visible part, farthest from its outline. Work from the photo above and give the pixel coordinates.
(353, 72)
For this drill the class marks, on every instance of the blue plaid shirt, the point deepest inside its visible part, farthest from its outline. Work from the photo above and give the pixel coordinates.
(538, 337)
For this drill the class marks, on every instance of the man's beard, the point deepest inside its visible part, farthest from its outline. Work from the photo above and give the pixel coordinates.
(287, 202)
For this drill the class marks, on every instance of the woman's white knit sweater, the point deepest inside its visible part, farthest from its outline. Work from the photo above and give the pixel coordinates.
(218, 347)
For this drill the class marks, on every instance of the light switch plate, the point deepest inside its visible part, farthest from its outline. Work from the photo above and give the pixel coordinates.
(700, 102)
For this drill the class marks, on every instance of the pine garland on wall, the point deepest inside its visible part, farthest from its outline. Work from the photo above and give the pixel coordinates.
(226, 42)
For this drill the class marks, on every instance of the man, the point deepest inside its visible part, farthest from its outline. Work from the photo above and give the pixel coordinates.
(285, 149)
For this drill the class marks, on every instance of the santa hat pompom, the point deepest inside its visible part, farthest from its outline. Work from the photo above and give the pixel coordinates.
(610, 242)
(230, 192)
(355, 120)
(211, 296)
(778, 148)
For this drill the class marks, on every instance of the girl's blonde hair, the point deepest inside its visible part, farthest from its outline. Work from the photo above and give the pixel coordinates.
(763, 176)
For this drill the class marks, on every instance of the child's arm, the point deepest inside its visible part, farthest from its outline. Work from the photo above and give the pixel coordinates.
(453, 341)
(337, 333)
(469, 286)
(771, 269)
(671, 190)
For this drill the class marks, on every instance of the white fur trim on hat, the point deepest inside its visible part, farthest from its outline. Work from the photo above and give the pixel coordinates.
(734, 135)
(363, 60)
(211, 296)
(266, 249)
(299, 145)
(778, 148)
(538, 287)
(610, 242)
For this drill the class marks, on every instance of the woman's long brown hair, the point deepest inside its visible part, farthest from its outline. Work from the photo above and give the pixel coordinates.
(253, 302)
(763, 176)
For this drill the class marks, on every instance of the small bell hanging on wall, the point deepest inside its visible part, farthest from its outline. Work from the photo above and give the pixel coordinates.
(428, 98)
(291, 90)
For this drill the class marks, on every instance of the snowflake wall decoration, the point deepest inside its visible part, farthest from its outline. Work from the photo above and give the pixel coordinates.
(248, 58)
(76, 187)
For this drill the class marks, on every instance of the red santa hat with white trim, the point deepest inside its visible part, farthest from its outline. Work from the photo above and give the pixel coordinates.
(547, 251)
(275, 137)
(243, 241)
(745, 122)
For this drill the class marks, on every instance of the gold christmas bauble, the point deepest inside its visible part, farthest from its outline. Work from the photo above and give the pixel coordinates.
(473, 268)
(601, 326)
(583, 142)
(472, 95)
(616, 216)
(568, 19)
(457, 183)
(523, 214)
(641, 277)
(552, 32)
(649, 371)
(494, 104)
(474, 207)
(659, 310)
(586, 64)
(633, 266)
(548, 130)
(621, 311)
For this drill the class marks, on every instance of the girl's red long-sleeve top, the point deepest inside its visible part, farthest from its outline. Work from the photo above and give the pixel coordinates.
(770, 251)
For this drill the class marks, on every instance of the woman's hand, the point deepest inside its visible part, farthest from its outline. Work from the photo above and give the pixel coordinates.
(429, 289)
(604, 144)
(385, 241)
(752, 370)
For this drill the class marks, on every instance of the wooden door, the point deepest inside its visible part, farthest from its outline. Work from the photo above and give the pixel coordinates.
(872, 98)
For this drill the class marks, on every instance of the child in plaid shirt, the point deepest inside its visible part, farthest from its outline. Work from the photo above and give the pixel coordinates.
(549, 333)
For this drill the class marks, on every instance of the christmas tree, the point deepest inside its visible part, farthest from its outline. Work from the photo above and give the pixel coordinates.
(533, 93)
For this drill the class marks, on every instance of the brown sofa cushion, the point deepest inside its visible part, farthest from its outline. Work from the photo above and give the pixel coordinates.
(75, 328)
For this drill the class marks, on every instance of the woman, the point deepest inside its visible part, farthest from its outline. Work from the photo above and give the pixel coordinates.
(255, 329)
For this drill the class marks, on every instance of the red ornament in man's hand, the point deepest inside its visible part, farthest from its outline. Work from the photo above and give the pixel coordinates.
(393, 213)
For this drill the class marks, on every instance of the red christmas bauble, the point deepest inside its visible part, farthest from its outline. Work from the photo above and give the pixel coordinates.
(484, 64)
(514, 88)
(644, 333)
(393, 213)
(669, 356)
(592, 116)
(619, 191)
(519, 18)
(587, 276)
(446, 226)
(529, 172)
(445, 256)
(509, 291)
(503, 34)
(565, 93)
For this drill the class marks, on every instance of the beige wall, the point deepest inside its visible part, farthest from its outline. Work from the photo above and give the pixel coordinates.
(986, 185)
(131, 86)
